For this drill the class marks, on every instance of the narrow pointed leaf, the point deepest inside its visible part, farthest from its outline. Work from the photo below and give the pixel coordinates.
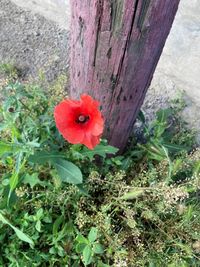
(18, 232)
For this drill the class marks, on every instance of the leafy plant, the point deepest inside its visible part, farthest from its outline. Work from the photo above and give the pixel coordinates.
(32, 137)
(65, 205)
(89, 247)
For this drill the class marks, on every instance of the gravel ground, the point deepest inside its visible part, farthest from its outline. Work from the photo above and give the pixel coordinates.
(32, 43)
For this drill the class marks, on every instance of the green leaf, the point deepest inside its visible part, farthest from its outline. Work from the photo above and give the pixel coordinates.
(41, 157)
(100, 150)
(9, 148)
(133, 194)
(23, 236)
(57, 224)
(83, 190)
(175, 148)
(14, 180)
(98, 248)
(92, 236)
(3, 126)
(68, 172)
(38, 226)
(82, 239)
(101, 264)
(154, 151)
(40, 214)
(80, 247)
(18, 232)
(163, 114)
(31, 179)
(87, 255)
(196, 169)
(141, 116)
(15, 176)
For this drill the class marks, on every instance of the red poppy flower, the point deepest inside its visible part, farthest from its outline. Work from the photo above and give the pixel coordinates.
(80, 122)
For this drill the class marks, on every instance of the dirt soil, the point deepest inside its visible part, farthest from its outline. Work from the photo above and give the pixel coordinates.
(32, 43)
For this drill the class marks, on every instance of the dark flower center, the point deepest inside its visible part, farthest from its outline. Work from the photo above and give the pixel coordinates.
(11, 110)
(82, 119)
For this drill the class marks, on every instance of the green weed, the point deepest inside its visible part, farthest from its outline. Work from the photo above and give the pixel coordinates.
(61, 205)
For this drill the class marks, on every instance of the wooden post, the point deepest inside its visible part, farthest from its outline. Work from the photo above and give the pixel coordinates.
(115, 47)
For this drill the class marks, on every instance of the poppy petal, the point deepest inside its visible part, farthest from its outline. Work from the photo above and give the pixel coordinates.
(89, 101)
(62, 112)
(73, 136)
(90, 141)
(75, 131)
(97, 129)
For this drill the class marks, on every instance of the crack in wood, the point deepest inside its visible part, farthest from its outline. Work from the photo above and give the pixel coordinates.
(109, 53)
(118, 75)
(119, 95)
(99, 20)
(81, 25)
(116, 15)
(127, 41)
(143, 12)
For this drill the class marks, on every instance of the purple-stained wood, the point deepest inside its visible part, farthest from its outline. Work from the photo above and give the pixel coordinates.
(115, 47)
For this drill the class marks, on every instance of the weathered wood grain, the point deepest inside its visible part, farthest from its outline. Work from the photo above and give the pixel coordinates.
(115, 47)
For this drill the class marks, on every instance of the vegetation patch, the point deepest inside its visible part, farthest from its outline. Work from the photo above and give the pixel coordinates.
(66, 205)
